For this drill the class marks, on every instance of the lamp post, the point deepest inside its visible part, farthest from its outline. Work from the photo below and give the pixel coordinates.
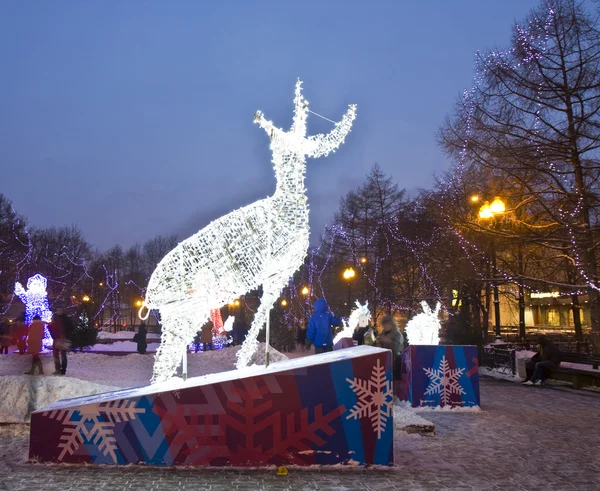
(348, 275)
(305, 292)
(489, 211)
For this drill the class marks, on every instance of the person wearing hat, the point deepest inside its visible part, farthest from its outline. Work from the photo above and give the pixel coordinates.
(391, 338)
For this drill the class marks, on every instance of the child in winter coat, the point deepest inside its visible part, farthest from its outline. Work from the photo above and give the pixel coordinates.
(34, 344)
(320, 328)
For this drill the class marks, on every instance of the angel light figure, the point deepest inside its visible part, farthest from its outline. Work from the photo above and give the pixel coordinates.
(262, 244)
(424, 328)
(359, 317)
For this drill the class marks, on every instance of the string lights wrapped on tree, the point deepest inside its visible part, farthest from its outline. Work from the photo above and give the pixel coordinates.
(261, 244)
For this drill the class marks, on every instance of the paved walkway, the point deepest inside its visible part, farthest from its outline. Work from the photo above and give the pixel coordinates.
(526, 439)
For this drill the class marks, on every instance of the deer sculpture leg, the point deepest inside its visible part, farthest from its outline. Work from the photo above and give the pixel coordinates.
(260, 318)
(177, 334)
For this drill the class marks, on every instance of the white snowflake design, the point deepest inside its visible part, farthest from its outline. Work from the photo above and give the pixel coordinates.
(102, 416)
(444, 381)
(375, 399)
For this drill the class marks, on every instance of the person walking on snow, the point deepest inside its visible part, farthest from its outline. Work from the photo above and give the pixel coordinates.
(34, 344)
(140, 339)
(320, 328)
(59, 344)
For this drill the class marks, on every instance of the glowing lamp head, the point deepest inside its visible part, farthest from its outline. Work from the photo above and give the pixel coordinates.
(349, 274)
(485, 212)
(139, 303)
(305, 291)
(85, 298)
(284, 302)
(363, 260)
(474, 199)
(497, 206)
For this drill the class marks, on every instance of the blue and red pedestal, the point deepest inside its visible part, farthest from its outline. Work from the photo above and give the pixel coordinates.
(333, 408)
(440, 376)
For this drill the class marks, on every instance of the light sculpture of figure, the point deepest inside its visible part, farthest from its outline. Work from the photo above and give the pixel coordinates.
(359, 317)
(263, 243)
(35, 298)
(424, 328)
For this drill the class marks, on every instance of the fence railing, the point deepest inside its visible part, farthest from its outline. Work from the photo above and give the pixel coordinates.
(500, 359)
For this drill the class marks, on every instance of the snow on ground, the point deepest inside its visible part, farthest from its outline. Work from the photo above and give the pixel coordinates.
(123, 335)
(89, 373)
(122, 346)
(405, 418)
(21, 394)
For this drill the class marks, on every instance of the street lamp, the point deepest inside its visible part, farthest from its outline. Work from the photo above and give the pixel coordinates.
(305, 291)
(139, 303)
(363, 260)
(284, 303)
(86, 298)
(489, 211)
(349, 273)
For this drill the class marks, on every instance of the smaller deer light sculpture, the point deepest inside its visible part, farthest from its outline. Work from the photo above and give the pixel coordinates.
(424, 328)
(359, 317)
(263, 243)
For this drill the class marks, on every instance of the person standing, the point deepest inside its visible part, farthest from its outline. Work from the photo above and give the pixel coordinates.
(206, 336)
(391, 338)
(140, 339)
(5, 337)
(59, 344)
(20, 334)
(34, 344)
(320, 328)
(301, 337)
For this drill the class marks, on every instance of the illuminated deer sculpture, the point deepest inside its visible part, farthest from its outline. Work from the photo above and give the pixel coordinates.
(261, 244)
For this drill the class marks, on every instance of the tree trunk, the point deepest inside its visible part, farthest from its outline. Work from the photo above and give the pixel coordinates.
(522, 333)
(576, 316)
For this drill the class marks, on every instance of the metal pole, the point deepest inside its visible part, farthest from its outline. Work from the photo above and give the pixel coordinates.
(349, 299)
(184, 367)
(496, 293)
(268, 327)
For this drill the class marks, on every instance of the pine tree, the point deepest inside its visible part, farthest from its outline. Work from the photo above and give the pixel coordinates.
(85, 334)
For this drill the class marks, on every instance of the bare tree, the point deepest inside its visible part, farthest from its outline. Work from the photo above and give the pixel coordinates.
(15, 247)
(533, 116)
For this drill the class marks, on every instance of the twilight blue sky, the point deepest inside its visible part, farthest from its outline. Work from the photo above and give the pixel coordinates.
(133, 118)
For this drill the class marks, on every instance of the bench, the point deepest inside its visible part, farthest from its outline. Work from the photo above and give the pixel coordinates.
(578, 377)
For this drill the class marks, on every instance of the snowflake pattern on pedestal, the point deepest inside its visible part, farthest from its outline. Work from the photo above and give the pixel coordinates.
(93, 424)
(444, 381)
(375, 398)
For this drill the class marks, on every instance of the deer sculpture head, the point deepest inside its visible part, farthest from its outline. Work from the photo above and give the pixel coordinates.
(424, 328)
(359, 317)
(291, 148)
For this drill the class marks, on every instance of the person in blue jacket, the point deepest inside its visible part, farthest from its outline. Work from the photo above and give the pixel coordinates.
(320, 328)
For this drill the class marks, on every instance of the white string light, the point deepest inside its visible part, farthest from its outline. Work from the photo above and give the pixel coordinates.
(231, 256)
(424, 328)
(359, 317)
